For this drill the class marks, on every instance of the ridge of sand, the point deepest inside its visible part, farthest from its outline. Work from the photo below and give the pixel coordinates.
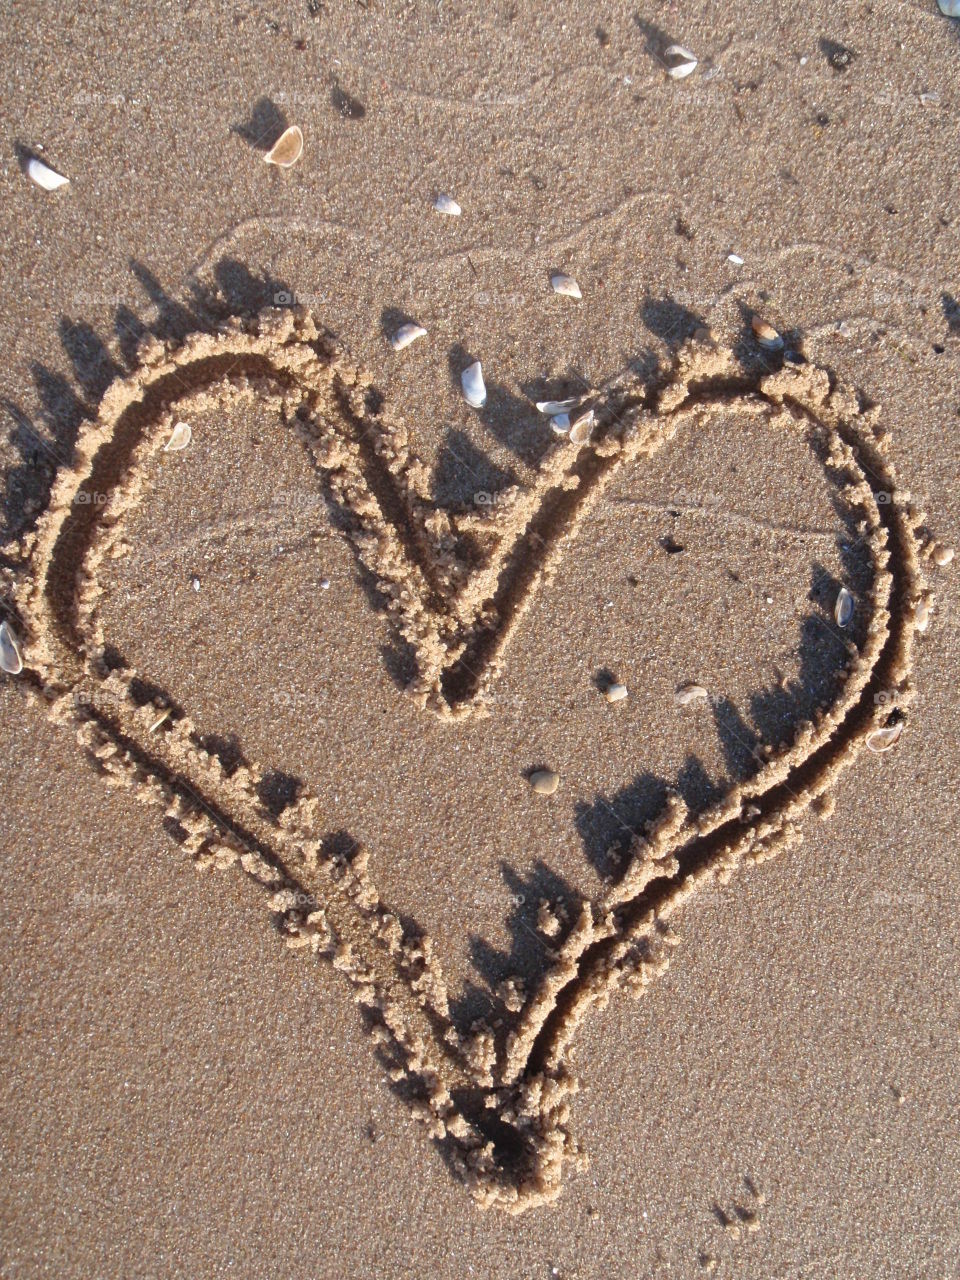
(457, 585)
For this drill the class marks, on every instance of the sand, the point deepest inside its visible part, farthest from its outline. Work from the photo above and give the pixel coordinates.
(367, 644)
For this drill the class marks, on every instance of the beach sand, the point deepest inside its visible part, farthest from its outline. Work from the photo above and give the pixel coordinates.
(183, 1093)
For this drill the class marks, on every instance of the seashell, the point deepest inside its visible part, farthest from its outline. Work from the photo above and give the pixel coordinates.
(679, 62)
(766, 335)
(950, 7)
(735, 259)
(921, 615)
(447, 205)
(406, 334)
(880, 740)
(690, 693)
(474, 389)
(843, 609)
(615, 692)
(582, 429)
(44, 176)
(180, 437)
(942, 556)
(565, 285)
(552, 407)
(287, 149)
(544, 781)
(11, 660)
(560, 424)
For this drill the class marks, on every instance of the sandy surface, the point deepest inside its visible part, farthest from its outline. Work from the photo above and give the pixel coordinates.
(182, 1094)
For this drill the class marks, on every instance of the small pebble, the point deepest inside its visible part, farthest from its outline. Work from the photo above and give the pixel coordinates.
(324, 584)
(942, 556)
(195, 583)
(921, 615)
(615, 692)
(735, 259)
(544, 782)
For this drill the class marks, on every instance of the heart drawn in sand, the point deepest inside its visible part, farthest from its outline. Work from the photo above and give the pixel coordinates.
(457, 586)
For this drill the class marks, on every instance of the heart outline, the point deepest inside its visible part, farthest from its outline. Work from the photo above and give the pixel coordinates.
(622, 938)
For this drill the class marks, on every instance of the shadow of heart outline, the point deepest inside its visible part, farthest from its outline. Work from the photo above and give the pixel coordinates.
(498, 1111)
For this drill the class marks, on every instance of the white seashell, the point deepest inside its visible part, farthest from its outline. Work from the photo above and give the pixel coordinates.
(881, 740)
(287, 149)
(582, 429)
(406, 334)
(679, 62)
(766, 334)
(11, 660)
(565, 285)
(735, 259)
(180, 437)
(560, 424)
(690, 693)
(615, 692)
(552, 407)
(843, 609)
(942, 556)
(921, 615)
(447, 205)
(44, 176)
(474, 389)
(950, 7)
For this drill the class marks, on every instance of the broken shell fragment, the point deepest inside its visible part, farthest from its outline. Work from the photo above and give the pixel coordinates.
(615, 692)
(474, 388)
(942, 556)
(406, 334)
(544, 781)
(921, 615)
(11, 660)
(447, 205)
(690, 693)
(766, 335)
(161, 720)
(287, 149)
(843, 610)
(565, 285)
(560, 424)
(44, 176)
(950, 7)
(552, 407)
(881, 740)
(180, 437)
(679, 61)
(582, 429)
